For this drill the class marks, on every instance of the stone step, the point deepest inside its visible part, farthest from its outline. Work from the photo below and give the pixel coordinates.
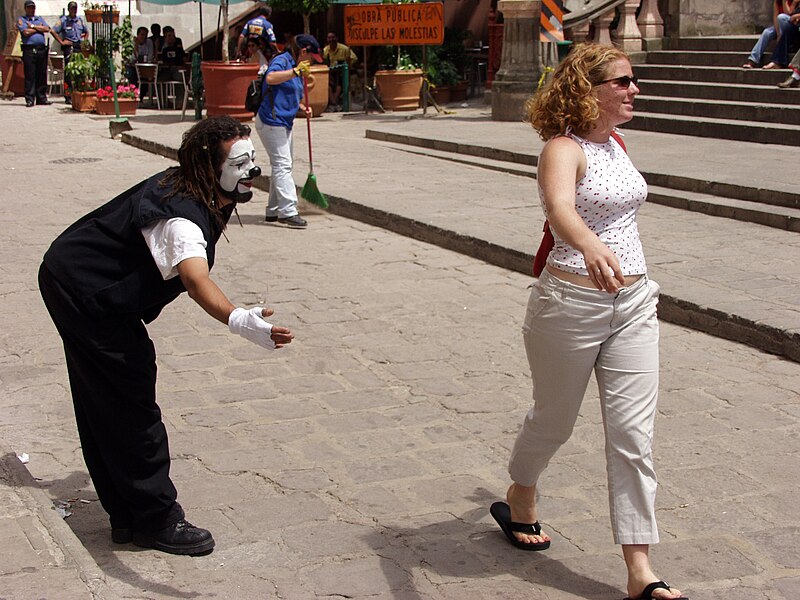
(700, 58)
(659, 186)
(719, 91)
(786, 114)
(727, 43)
(723, 129)
(729, 75)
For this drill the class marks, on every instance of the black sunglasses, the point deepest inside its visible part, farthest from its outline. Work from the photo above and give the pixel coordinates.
(623, 82)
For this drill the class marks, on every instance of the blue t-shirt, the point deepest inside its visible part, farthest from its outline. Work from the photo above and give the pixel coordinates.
(259, 27)
(286, 96)
(71, 29)
(24, 22)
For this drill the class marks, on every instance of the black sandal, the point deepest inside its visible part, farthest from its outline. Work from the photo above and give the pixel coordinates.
(647, 593)
(502, 514)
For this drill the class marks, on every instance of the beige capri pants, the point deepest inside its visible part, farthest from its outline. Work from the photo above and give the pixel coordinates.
(568, 331)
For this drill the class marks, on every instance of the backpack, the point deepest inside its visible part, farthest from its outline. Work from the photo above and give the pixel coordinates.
(255, 93)
(548, 241)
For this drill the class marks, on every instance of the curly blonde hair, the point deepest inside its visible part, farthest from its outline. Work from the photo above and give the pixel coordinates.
(566, 101)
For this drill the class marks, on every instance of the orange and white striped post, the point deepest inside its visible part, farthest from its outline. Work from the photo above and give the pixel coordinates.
(551, 21)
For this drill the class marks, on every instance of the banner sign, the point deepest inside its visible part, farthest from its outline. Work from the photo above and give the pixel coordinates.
(551, 21)
(394, 24)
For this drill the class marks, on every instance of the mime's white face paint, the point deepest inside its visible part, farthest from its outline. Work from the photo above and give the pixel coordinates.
(238, 170)
(237, 165)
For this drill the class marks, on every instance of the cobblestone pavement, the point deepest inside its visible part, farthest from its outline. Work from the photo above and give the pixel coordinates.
(360, 461)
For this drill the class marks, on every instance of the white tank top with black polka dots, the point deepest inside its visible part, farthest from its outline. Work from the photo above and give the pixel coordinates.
(607, 199)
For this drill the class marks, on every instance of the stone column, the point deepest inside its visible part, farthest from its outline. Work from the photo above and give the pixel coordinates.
(650, 22)
(628, 34)
(520, 66)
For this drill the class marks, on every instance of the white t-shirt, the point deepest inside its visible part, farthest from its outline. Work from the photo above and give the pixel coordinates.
(172, 241)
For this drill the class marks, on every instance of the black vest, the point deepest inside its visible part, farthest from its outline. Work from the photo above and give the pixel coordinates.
(103, 261)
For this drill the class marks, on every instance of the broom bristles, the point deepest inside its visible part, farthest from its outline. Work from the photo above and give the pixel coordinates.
(312, 194)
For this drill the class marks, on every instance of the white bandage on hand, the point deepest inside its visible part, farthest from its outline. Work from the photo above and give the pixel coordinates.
(251, 326)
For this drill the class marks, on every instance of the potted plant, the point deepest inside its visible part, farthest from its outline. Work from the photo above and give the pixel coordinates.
(93, 12)
(399, 87)
(454, 51)
(441, 74)
(81, 71)
(127, 99)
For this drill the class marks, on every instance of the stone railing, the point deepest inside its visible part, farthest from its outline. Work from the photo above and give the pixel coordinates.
(594, 19)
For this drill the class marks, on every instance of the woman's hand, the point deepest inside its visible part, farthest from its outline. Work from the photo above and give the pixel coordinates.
(603, 267)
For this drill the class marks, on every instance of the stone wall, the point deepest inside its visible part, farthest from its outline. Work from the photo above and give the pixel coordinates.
(715, 17)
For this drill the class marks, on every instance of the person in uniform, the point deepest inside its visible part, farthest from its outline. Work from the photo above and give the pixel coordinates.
(112, 272)
(34, 55)
(259, 27)
(70, 31)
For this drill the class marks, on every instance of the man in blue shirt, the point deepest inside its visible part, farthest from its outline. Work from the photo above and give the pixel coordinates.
(70, 31)
(34, 54)
(259, 27)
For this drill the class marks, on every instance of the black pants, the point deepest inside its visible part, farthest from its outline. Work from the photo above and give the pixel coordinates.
(34, 62)
(112, 375)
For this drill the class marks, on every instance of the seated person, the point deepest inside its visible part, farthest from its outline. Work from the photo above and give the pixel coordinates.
(172, 59)
(143, 52)
(259, 27)
(335, 53)
(255, 52)
(783, 29)
(172, 51)
(156, 38)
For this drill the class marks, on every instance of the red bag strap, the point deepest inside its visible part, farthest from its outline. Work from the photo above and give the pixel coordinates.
(618, 137)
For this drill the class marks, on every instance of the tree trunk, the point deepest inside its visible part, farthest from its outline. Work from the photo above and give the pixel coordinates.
(225, 32)
(307, 23)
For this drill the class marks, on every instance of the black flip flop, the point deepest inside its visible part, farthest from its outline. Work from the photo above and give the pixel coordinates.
(502, 514)
(647, 593)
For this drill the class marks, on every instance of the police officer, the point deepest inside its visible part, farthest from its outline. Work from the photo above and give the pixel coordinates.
(259, 27)
(70, 31)
(34, 55)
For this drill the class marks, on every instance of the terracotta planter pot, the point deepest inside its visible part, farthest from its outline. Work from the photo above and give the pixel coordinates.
(458, 92)
(441, 94)
(318, 89)
(84, 101)
(105, 106)
(399, 89)
(226, 86)
(93, 15)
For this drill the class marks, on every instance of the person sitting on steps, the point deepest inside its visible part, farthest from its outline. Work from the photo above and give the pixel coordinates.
(784, 28)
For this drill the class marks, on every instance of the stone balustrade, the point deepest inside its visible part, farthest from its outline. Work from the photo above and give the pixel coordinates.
(592, 23)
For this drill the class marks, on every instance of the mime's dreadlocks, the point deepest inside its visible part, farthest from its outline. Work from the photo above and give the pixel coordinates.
(201, 157)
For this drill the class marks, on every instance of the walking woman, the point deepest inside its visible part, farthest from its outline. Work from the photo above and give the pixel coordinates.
(592, 309)
(283, 94)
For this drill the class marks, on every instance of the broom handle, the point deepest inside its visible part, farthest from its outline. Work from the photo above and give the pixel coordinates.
(308, 124)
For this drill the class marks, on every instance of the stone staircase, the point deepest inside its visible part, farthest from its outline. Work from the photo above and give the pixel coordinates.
(697, 87)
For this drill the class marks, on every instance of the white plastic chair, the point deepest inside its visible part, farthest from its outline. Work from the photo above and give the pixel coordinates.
(148, 73)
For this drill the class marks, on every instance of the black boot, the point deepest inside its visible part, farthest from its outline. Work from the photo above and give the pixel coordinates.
(180, 538)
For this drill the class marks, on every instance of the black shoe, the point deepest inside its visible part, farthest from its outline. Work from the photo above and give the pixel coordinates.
(791, 82)
(180, 538)
(269, 219)
(44, 102)
(68, 101)
(28, 103)
(121, 535)
(293, 221)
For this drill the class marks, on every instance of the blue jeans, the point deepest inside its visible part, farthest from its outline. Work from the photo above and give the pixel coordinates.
(767, 36)
(789, 32)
